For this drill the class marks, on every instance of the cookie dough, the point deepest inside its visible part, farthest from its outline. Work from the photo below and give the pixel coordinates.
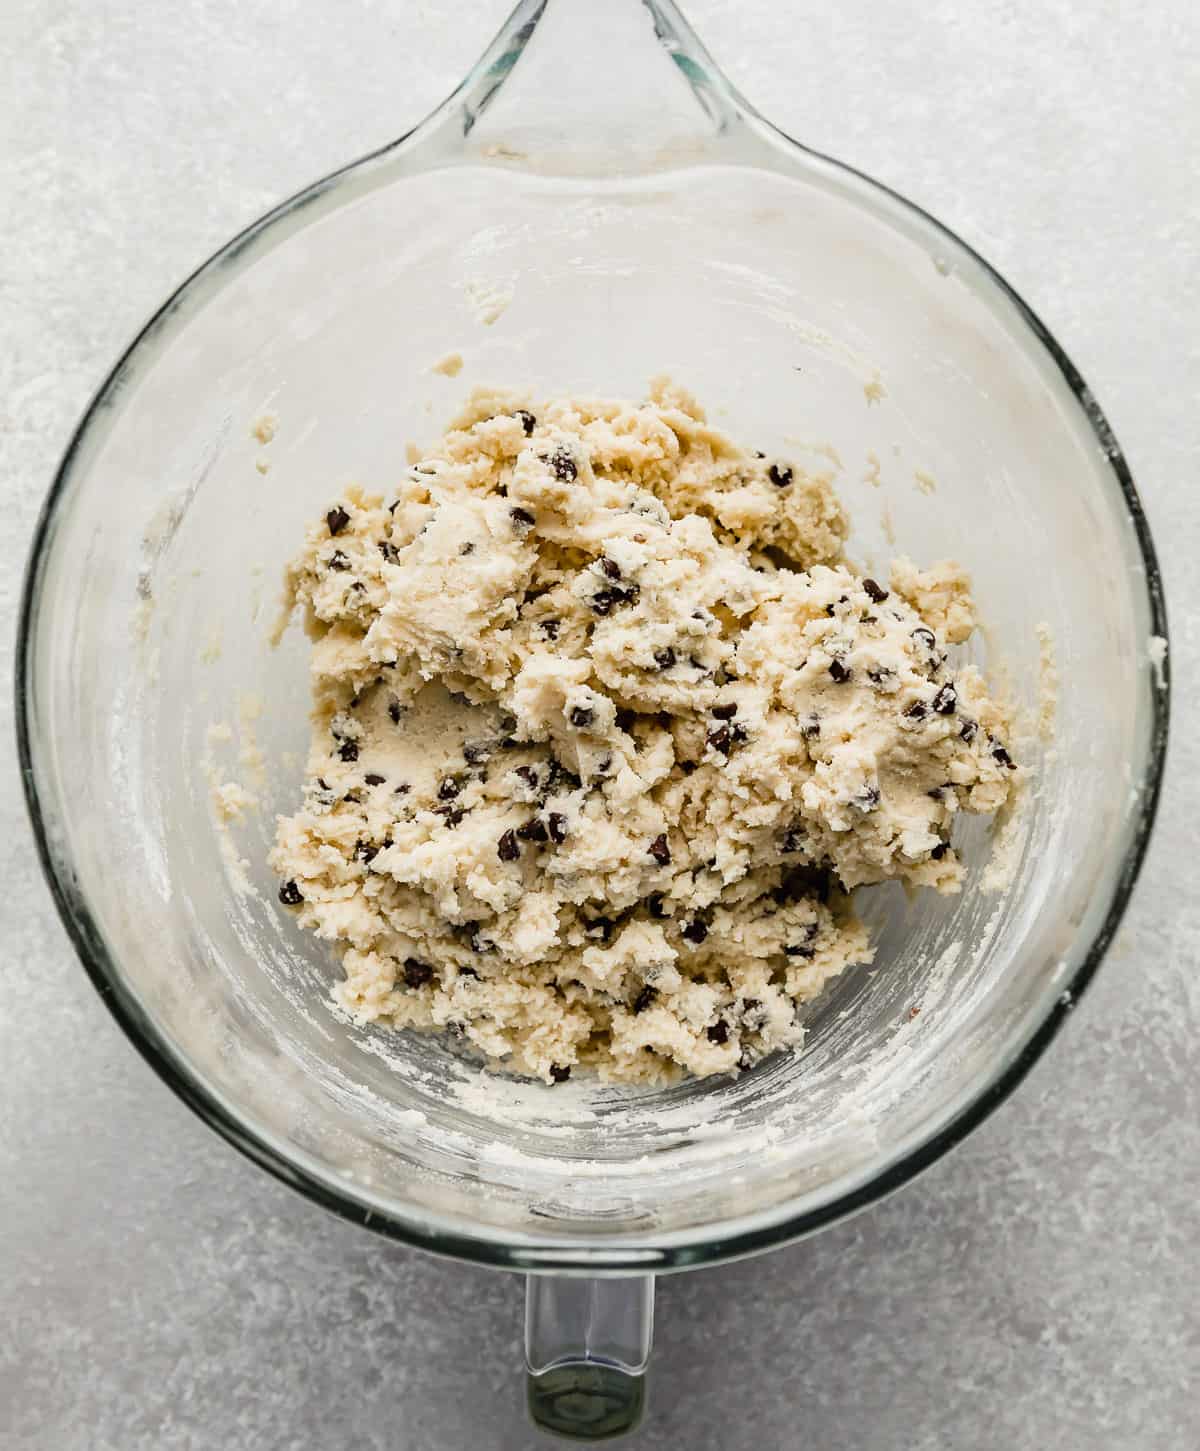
(605, 729)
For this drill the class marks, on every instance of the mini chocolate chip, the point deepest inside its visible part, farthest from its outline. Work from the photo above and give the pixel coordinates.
(1001, 755)
(526, 419)
(365, 852)
(880, 675)
(718, 1032)
(695, 931)
(290, 894)
(337, 519)
(925, 637)
(758, 453)
(869, 619)
(556, 825)
(793, 841)
(610, 567)
(603, 602)
(811, 728)
(840, 672)
(626, 718)
(403, 789)
(798, 949)
(654, 905)
(337, 560)
(644, 999)
(467, 548)
(604, 767)
(780, 477)
(373, 778)
(527, 775)
(918, 710)
(940, 850)
(720, 740)
(508, 849)
(395, 711)
(451, 815)
(946, 700)
(739, 734)
(448, 788)
(968, 730)
(660, 851)
(564, 466)
(522, 520)
(560, 1073)
(348, 750)
(868, 799)
(416, 974)
(665, 658)
(549, 629)
(874, 591)
(389, 551)
(533, 830)
(582, 716)
(475, 751)
(468, 972)
(726, 711)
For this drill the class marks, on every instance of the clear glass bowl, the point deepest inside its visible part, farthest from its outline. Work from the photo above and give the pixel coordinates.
(626, 213)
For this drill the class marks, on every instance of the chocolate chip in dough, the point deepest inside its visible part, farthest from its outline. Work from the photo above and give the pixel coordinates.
(874, 591)
(839, 671)
(337, 519)
(563, 465)
(695, 931)
(780, 475)
(373, 778)
(508, 849)
(526, 419)
(660, 851)
(726, 711)
(665, 658)
(338, 561)
(945, 702)
(416, 973)
(522, 520)
(968, 730)
(644, 999)
(290, 894)
(560, 1073)
(556, 825)
(720, 740)
(718, 1032)
(582, 716)
(348, 750)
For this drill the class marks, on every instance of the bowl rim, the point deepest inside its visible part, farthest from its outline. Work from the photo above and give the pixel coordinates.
(682, 1249)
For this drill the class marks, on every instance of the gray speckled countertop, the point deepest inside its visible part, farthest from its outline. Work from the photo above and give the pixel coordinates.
(1036, 1289)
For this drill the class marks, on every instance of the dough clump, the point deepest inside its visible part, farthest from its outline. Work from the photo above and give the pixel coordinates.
(605, 729)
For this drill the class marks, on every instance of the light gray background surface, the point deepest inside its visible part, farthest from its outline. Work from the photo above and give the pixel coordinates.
(1041, 1288)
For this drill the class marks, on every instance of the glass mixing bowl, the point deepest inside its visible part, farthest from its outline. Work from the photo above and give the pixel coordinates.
(612, 210)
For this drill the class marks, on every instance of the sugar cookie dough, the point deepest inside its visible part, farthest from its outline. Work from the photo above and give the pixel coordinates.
(605, 729)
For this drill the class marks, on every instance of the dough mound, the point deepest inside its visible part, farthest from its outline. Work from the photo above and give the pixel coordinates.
(606, 728)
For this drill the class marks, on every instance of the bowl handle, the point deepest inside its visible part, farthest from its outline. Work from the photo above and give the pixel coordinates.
(587, 1344)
